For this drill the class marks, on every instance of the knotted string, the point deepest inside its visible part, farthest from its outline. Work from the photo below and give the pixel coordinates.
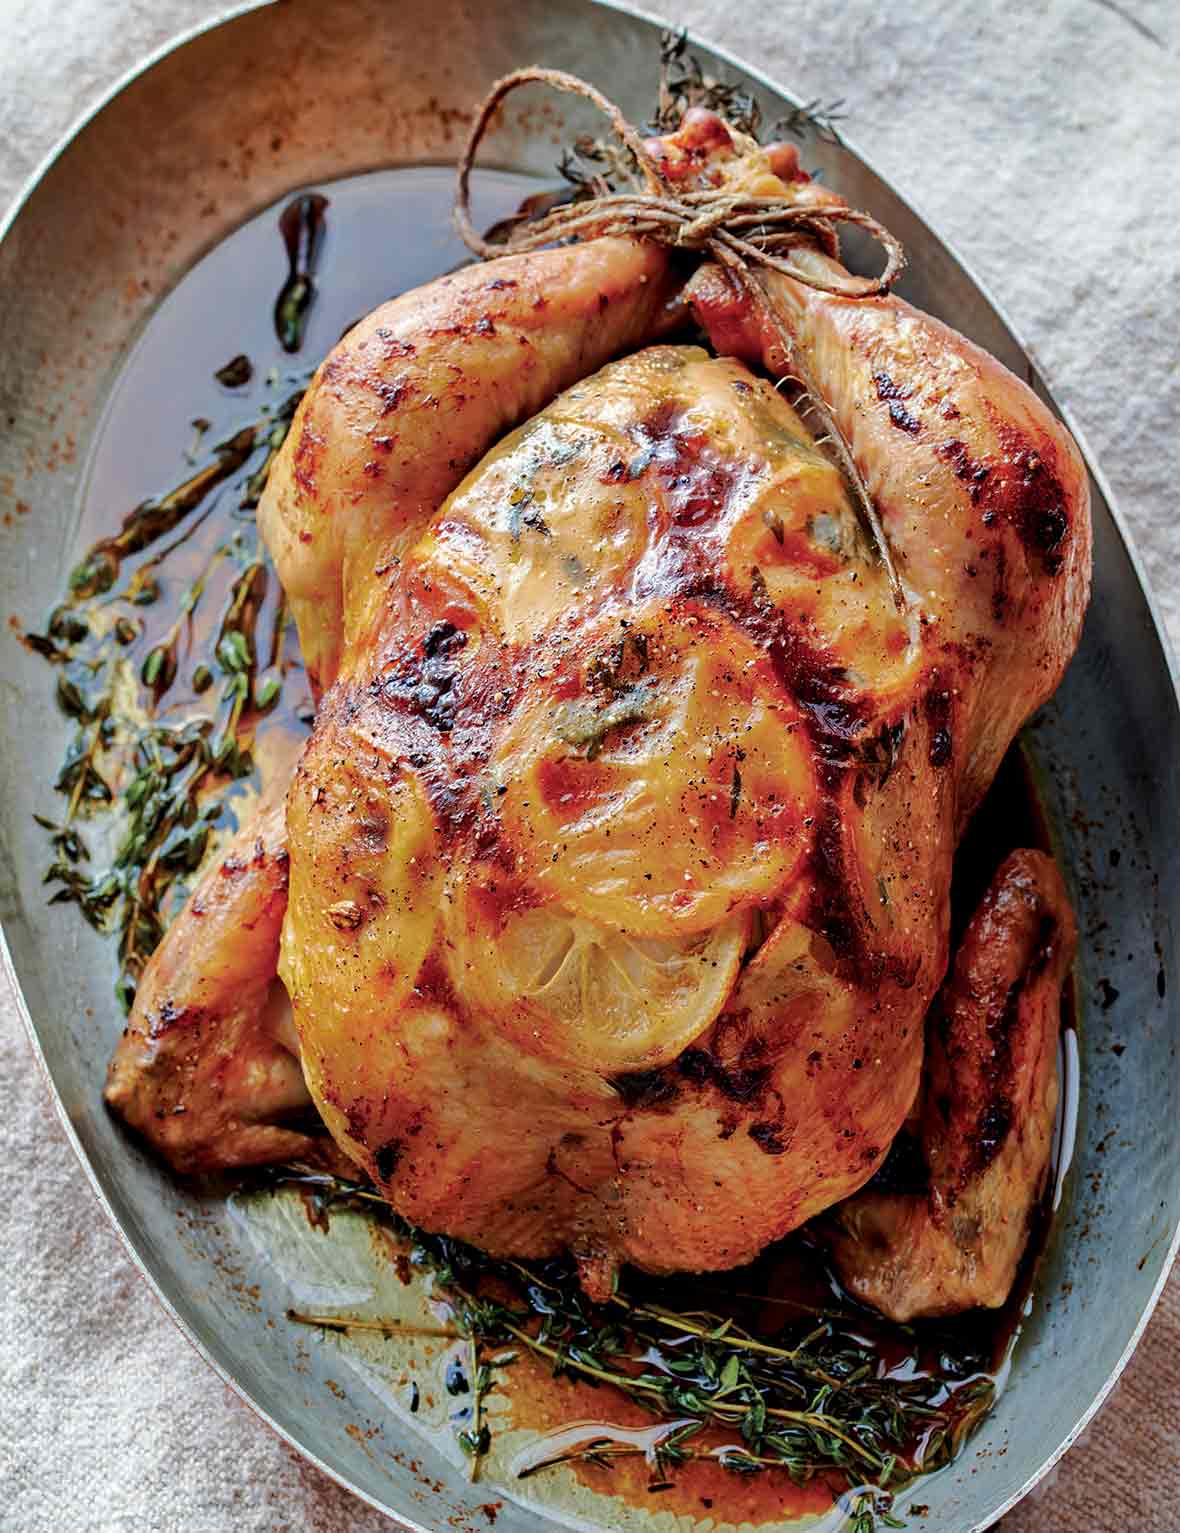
(735, 228)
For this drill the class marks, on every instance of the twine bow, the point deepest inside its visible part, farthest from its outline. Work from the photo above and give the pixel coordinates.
(737, 229)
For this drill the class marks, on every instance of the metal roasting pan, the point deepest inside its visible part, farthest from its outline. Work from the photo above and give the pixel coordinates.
(219, 126)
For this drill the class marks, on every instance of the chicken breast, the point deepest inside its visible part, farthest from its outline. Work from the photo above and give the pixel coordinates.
(620, 858)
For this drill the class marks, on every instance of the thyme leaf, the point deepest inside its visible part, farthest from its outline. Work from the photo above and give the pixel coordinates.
(158, 768)
(588, 724)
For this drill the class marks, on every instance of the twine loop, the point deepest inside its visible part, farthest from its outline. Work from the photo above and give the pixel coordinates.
(738, 229)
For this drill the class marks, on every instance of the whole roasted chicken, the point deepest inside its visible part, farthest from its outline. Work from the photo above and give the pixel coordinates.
(620, 853)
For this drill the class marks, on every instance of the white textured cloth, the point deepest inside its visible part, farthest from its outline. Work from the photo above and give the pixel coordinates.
(1042, 138)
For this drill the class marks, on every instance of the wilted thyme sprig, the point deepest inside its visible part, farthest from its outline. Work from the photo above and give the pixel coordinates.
(592, 166)
(814, 1399)
(684, 84)
(814, 120)
(115, 677)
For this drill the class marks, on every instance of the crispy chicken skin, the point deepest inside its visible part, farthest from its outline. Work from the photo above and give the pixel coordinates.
(208, 1065)
(415, 394)
(621, 849)
(638, 696)
(989, 1101)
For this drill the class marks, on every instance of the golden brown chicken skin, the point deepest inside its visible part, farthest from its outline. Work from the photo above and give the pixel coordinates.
(208, 1068)
(989, 1101)
(621, 850)
(641, 706)
(415, 394)
(409, 399)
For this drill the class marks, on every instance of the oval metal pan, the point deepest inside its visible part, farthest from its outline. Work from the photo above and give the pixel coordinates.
(222, 124)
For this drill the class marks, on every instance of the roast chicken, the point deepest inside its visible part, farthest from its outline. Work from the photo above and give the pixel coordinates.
(620, 853)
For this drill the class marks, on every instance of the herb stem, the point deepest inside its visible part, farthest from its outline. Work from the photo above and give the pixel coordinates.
(382, 1327)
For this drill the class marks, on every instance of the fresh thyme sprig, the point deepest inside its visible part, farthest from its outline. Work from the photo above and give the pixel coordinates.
(157, 764)
(813, 1399)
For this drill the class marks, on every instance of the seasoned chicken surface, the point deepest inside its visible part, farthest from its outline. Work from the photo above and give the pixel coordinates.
(414, 396)
(208, 1066)
(641, 705)
(620, 853)
(432, 380)
(989, 1103)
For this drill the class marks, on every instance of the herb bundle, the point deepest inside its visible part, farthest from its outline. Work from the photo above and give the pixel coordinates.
(814, 1399)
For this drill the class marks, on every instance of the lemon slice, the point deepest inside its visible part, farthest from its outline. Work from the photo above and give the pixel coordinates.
(604, 1000)
(658, 801)
(549, 521)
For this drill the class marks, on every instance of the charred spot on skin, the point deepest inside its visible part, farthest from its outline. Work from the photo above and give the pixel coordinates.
(831, 913)
(387, 1159)
(427, 683)
(1040, 517)
(741, 1082)
(769, 1138)
(1000, 597)
(389, 392)
(645, 1088)
(991, 1130)
(169, 1017)
(904, 1169)
(938, 715)
(698, 483)
(974, 475)
(890, 394)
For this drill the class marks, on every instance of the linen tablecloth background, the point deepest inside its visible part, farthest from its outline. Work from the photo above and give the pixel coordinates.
(1042, 137)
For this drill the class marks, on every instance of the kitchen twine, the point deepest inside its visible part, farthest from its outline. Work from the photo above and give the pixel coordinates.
(740, 231)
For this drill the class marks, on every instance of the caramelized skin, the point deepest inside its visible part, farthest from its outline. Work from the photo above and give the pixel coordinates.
(981, 493)
(621, 848)
(641, 687)
(414, 395)
(410, 398)
(989, 1101)
(208, 1066)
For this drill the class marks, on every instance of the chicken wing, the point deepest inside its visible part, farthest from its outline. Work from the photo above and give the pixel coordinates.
(989, 1101)
(208, 1065)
